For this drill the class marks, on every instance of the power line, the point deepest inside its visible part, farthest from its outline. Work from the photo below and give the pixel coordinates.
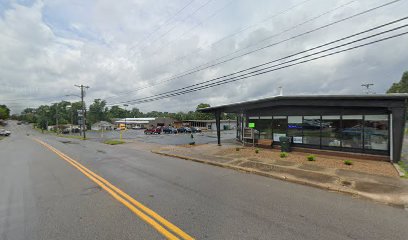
(195, 26)
(290, 65)
(308, 50)
(267, 69)
(194, 12)
(198, 69)
(166, 21)
(245, 28)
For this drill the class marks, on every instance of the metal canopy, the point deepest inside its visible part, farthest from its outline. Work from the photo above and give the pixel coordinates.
(374, 100)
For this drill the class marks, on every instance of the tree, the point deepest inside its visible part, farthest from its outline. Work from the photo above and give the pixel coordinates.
(401, 86)
(117, 112)
(4, 112)
(97, 111)
(202, 116)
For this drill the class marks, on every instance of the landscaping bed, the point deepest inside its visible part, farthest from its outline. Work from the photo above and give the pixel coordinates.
(325, 161)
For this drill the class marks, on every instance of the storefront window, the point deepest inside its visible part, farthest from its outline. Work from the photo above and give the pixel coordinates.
(376, 132)
(265, 127)
(279, 126)
(352, 131)
(311, 130)
(295, 128)
(331, 131)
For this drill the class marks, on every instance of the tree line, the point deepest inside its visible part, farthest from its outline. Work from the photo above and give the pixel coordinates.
(67, 113)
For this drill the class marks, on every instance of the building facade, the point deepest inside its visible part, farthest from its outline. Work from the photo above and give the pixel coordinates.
(145, 122)
(371, 124)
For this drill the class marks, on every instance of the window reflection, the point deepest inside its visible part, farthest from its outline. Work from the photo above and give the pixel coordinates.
(352, 131)
(376, 132)
(279, 125)
(331, 131)
(295, 128)
(311, 130)
(265, 127)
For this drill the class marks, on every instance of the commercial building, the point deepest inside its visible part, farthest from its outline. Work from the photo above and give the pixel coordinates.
(369, 124)
(102, 125)
(210, 125)
(145, 122)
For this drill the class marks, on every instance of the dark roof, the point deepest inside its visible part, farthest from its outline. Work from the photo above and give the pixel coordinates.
(367, 100)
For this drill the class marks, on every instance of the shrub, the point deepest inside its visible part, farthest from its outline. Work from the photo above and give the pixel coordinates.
(311, 158)
(257, 150)
(348, 162)
(237, 149)
(284, 154)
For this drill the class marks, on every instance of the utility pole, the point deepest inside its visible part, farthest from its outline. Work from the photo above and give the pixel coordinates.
(82, 87)
(56, 117)
(367, 86)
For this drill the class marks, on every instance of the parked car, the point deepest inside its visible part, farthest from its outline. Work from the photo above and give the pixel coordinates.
(157, 130)
(4, 132)
(184, 130)
(170, 130)
(195, 130)
(19, 123)
(65, 131)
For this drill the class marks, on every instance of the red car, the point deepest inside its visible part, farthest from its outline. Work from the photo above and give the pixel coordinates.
(157, 130)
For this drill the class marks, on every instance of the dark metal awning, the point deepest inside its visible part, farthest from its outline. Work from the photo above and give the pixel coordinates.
(368, 100)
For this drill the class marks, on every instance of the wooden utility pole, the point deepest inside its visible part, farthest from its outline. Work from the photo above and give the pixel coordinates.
(82, 87)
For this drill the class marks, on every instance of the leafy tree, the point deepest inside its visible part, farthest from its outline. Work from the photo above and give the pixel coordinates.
(4, 112)
(401, 86)
(97, 111)
(117, 112)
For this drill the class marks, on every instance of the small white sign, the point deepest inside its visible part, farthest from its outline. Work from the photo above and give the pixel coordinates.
(276, 136)
(297, 139)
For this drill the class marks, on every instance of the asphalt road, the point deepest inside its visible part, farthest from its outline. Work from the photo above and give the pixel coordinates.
(44, 197)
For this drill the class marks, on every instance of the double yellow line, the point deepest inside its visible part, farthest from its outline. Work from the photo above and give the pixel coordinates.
(164, 227)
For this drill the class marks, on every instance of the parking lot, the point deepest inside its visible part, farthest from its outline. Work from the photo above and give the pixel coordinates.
(164, 139)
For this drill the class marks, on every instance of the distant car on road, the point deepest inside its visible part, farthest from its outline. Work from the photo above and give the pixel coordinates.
(4, 132)
(184, 130)
(170, 130)
(157, 130)
(195, 130)
(19, 123)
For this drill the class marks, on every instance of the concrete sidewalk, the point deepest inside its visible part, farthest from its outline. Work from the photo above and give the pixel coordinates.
(384, 189)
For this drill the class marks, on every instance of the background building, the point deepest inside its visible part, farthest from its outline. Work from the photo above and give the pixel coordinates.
(145, 122)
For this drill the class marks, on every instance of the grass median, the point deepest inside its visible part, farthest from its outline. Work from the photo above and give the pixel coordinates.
(114, 142)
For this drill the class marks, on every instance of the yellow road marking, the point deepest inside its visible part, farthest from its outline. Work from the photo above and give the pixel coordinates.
(116, 192)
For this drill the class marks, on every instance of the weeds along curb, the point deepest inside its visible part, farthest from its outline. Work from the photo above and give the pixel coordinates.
(288, 178)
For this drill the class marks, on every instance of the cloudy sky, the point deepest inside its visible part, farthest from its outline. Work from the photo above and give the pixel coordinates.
(118, 47)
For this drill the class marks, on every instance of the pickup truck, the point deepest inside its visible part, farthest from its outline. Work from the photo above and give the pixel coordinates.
(4, 132)
(157, 130)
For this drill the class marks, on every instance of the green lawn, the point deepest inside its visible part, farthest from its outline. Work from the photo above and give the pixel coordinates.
(404, 167)
(114, 142)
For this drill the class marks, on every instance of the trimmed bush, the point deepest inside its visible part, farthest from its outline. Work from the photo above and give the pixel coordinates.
(283, 154)
(311, 158)
(257, 150)
(348, 162)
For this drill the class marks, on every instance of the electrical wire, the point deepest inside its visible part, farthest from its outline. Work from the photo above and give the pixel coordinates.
(265, 70)
(195, 70)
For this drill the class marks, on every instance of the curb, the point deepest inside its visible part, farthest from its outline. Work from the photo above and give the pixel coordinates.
(400, 171)
(288, 178)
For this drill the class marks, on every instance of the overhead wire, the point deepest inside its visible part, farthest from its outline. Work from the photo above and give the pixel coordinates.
(342, 45)
(198, 69)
